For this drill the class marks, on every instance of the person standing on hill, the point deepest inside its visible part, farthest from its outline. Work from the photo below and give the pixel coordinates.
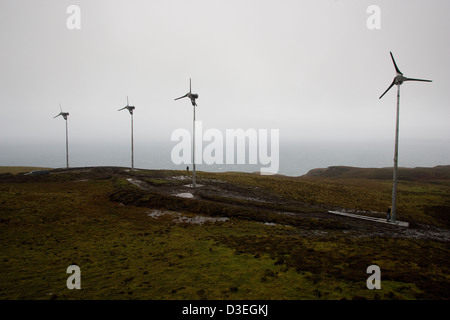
(388, 216)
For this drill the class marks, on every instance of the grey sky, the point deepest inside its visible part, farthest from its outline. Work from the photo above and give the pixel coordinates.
(309, 68)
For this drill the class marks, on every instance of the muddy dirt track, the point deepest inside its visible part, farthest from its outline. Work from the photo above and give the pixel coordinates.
(263, 207)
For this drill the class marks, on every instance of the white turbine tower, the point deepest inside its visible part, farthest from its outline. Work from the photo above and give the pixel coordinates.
(398, 80)
(130, 109)
(192, 96)
(64, 115)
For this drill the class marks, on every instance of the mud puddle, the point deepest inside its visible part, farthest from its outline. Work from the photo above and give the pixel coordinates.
(179, 218)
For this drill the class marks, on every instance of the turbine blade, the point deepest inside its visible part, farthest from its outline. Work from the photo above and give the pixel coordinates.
(387, 89)
(395, 65)
(127, 102)
(56, 116)
(412, 79)
(190, 85)
(122, 108)
(182, 97)
(60, 108)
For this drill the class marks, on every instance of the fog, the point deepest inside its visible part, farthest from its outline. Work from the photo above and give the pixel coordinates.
(312, 69)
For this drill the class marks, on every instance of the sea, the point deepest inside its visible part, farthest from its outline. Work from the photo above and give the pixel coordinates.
(295, 158)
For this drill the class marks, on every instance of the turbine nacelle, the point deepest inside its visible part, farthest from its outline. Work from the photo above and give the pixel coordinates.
(128, 107)
(399, 78)
(63, 114)
(190, 95)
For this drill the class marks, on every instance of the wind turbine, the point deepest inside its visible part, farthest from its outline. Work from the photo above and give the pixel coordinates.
(192, 96)
(398, 80)
(130, 109)
(64, 115)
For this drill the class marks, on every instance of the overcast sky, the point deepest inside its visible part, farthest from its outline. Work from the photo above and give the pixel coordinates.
(312, 69)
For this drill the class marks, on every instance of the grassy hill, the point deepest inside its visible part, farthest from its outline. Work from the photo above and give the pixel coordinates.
(408, 174)
(16, 170)
(422, 192)
(144, 235)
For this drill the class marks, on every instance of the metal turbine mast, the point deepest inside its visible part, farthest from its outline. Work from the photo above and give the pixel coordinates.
(192, 96)
(130, 109)
(398, 80)
(64, 115)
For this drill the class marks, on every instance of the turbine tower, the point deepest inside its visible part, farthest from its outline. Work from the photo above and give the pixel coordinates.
(192, 96)
(398, 80)
(130, 109)
(64, 115)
